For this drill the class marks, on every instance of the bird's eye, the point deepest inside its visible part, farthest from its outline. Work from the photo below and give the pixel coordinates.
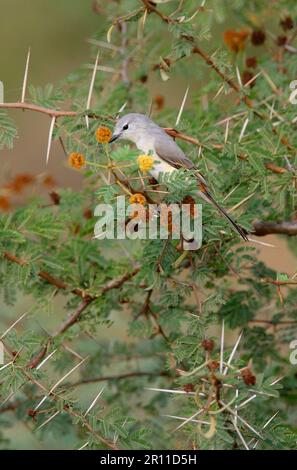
(125, 127)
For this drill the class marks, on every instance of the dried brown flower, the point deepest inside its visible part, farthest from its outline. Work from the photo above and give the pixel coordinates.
(213, 365)
(251, 62)
(281, 40)
(55, 197)
(189, 388)
(88, 214)
(143, 78)
(159, 101)
(258, 37)
(4, 204)
(235, 40)
(19, 182)
(246, 77)
(248, 376)
(287, 23)
(208, 345)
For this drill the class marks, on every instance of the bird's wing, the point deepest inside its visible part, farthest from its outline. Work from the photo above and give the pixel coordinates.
(170, 152)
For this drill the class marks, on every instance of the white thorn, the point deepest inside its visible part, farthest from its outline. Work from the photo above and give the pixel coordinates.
(182, 106)
(46, 359)
(222, 347)
(277, 380)
(50, 136)
(233, 352)
(243, 129)
(13, 325)
(94, 402)
(58, 383)
(84, 445)
(226, 131)
(25, 76)
(48, 420)
(240, 435)
(92, 87)
(166, 390)
(260, 243)
(245, 402)
(238, 77)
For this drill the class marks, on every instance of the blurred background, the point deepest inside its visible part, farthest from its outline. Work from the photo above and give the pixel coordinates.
(57, 33)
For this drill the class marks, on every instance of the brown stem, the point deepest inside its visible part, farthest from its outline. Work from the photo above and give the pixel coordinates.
(151, 8)
(289, 282)
(48, 111)
(272, 323)
(73, 318)
(114, 284)
(120, 377)
(39, 109)
(210, 62)
(87, 299)
(262, 228)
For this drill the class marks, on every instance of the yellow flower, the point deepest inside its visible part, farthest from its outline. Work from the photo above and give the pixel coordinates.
(137, 199)
(145, 162)
(76, 160)
(103, 135)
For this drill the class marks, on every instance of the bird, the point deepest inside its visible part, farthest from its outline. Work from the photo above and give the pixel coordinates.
(152, 139)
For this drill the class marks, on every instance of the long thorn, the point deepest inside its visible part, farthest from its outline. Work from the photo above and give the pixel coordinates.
(50, 136)
(92, 87)
(182, 106)
(25, 77)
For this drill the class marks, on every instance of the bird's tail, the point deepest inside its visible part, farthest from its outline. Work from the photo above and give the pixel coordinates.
(208, 197)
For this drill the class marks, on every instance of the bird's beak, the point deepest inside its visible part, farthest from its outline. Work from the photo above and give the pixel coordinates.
(113, 138)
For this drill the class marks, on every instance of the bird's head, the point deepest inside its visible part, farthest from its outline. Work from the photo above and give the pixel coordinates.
(131, 127)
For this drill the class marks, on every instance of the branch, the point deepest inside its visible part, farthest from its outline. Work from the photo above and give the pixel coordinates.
(73, 318)
(274, 323)
(262, 228)
(46, 276)
(120, 377)
(179, 135)
(210, 62)
(48, 111)
(114, 284)
(151, 8)
(289, 282)
(170, 131)
(87, 299)
(38, 109)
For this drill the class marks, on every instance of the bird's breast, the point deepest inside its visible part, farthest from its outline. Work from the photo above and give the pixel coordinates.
(160, 166)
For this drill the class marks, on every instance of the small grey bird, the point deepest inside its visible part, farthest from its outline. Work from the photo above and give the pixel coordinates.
(151, 138)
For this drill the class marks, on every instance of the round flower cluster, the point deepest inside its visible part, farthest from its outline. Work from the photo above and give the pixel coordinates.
(76, 160)
(103, 135)
(137, 199)
(145, 162)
